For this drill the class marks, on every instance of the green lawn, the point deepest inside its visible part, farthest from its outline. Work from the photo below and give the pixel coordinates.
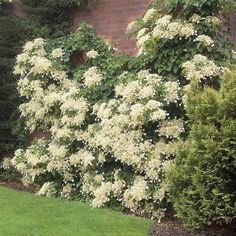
(24, 214)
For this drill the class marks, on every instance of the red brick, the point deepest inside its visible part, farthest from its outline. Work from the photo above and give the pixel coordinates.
(110, 19)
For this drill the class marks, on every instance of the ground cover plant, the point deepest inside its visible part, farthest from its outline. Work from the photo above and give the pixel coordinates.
(23, 214)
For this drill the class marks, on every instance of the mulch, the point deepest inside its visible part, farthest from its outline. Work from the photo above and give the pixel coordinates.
(18, 186)
(174, 228)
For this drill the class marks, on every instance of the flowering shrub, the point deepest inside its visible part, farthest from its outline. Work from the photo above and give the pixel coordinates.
(114, 122)
(114, 149)
(172, 33)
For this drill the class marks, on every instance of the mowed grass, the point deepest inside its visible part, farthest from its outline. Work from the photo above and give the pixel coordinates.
(24, 214)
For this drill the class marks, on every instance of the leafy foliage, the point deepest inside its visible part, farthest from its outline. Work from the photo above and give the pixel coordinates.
(202, 181)
(48, 19)
(82, 105)
(53, 15)
(14, 33)
(166, 54)
(202, 7)
(115, 121)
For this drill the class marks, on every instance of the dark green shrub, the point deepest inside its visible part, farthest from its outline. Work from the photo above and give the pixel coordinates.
(203, 178)
(46, 19)
(52, 15)
(13, 34)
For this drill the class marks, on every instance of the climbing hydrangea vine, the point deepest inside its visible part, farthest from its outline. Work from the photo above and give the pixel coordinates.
(113, 131)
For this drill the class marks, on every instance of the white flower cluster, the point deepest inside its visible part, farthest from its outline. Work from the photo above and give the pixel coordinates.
(35, 61)
(149, 14)
(48, 190)
(92, 77)
(200, 67)
(27, 162)
(118, 133)
(234, 54)
(92, 54)
(206, 40)
(47, 88)
(113, 149)
(166, 28)
(212, 20)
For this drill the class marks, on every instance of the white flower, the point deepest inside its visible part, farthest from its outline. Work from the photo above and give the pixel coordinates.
(195, 18)
(172, 91)
(130, 27)
(158, 115)
(92, 54)
(28, 46)
(146, 92)
(57, 53)
(137, 112)
(142, 40)
(234, 54)
(92, 77)
(213, 20)
(39, 42)
(21, 167)
(149, 14)
(141, 33)
(23, 57)
(47, 189)
(137, 192)
(41, 65)
(101, 194)
(206, 40)
(172, 128)
(153, 104)
(200, 67)
(168, 30)
(6, 164)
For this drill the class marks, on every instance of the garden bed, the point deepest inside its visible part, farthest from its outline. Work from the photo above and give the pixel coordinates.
(16, 185)
(170, 228)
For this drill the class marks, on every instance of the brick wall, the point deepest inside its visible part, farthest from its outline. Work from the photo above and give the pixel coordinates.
(110, 19)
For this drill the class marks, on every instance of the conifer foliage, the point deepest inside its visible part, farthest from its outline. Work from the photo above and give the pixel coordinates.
(203, 179)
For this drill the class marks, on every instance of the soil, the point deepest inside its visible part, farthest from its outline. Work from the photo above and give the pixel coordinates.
(174, 228)
(18, 186)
